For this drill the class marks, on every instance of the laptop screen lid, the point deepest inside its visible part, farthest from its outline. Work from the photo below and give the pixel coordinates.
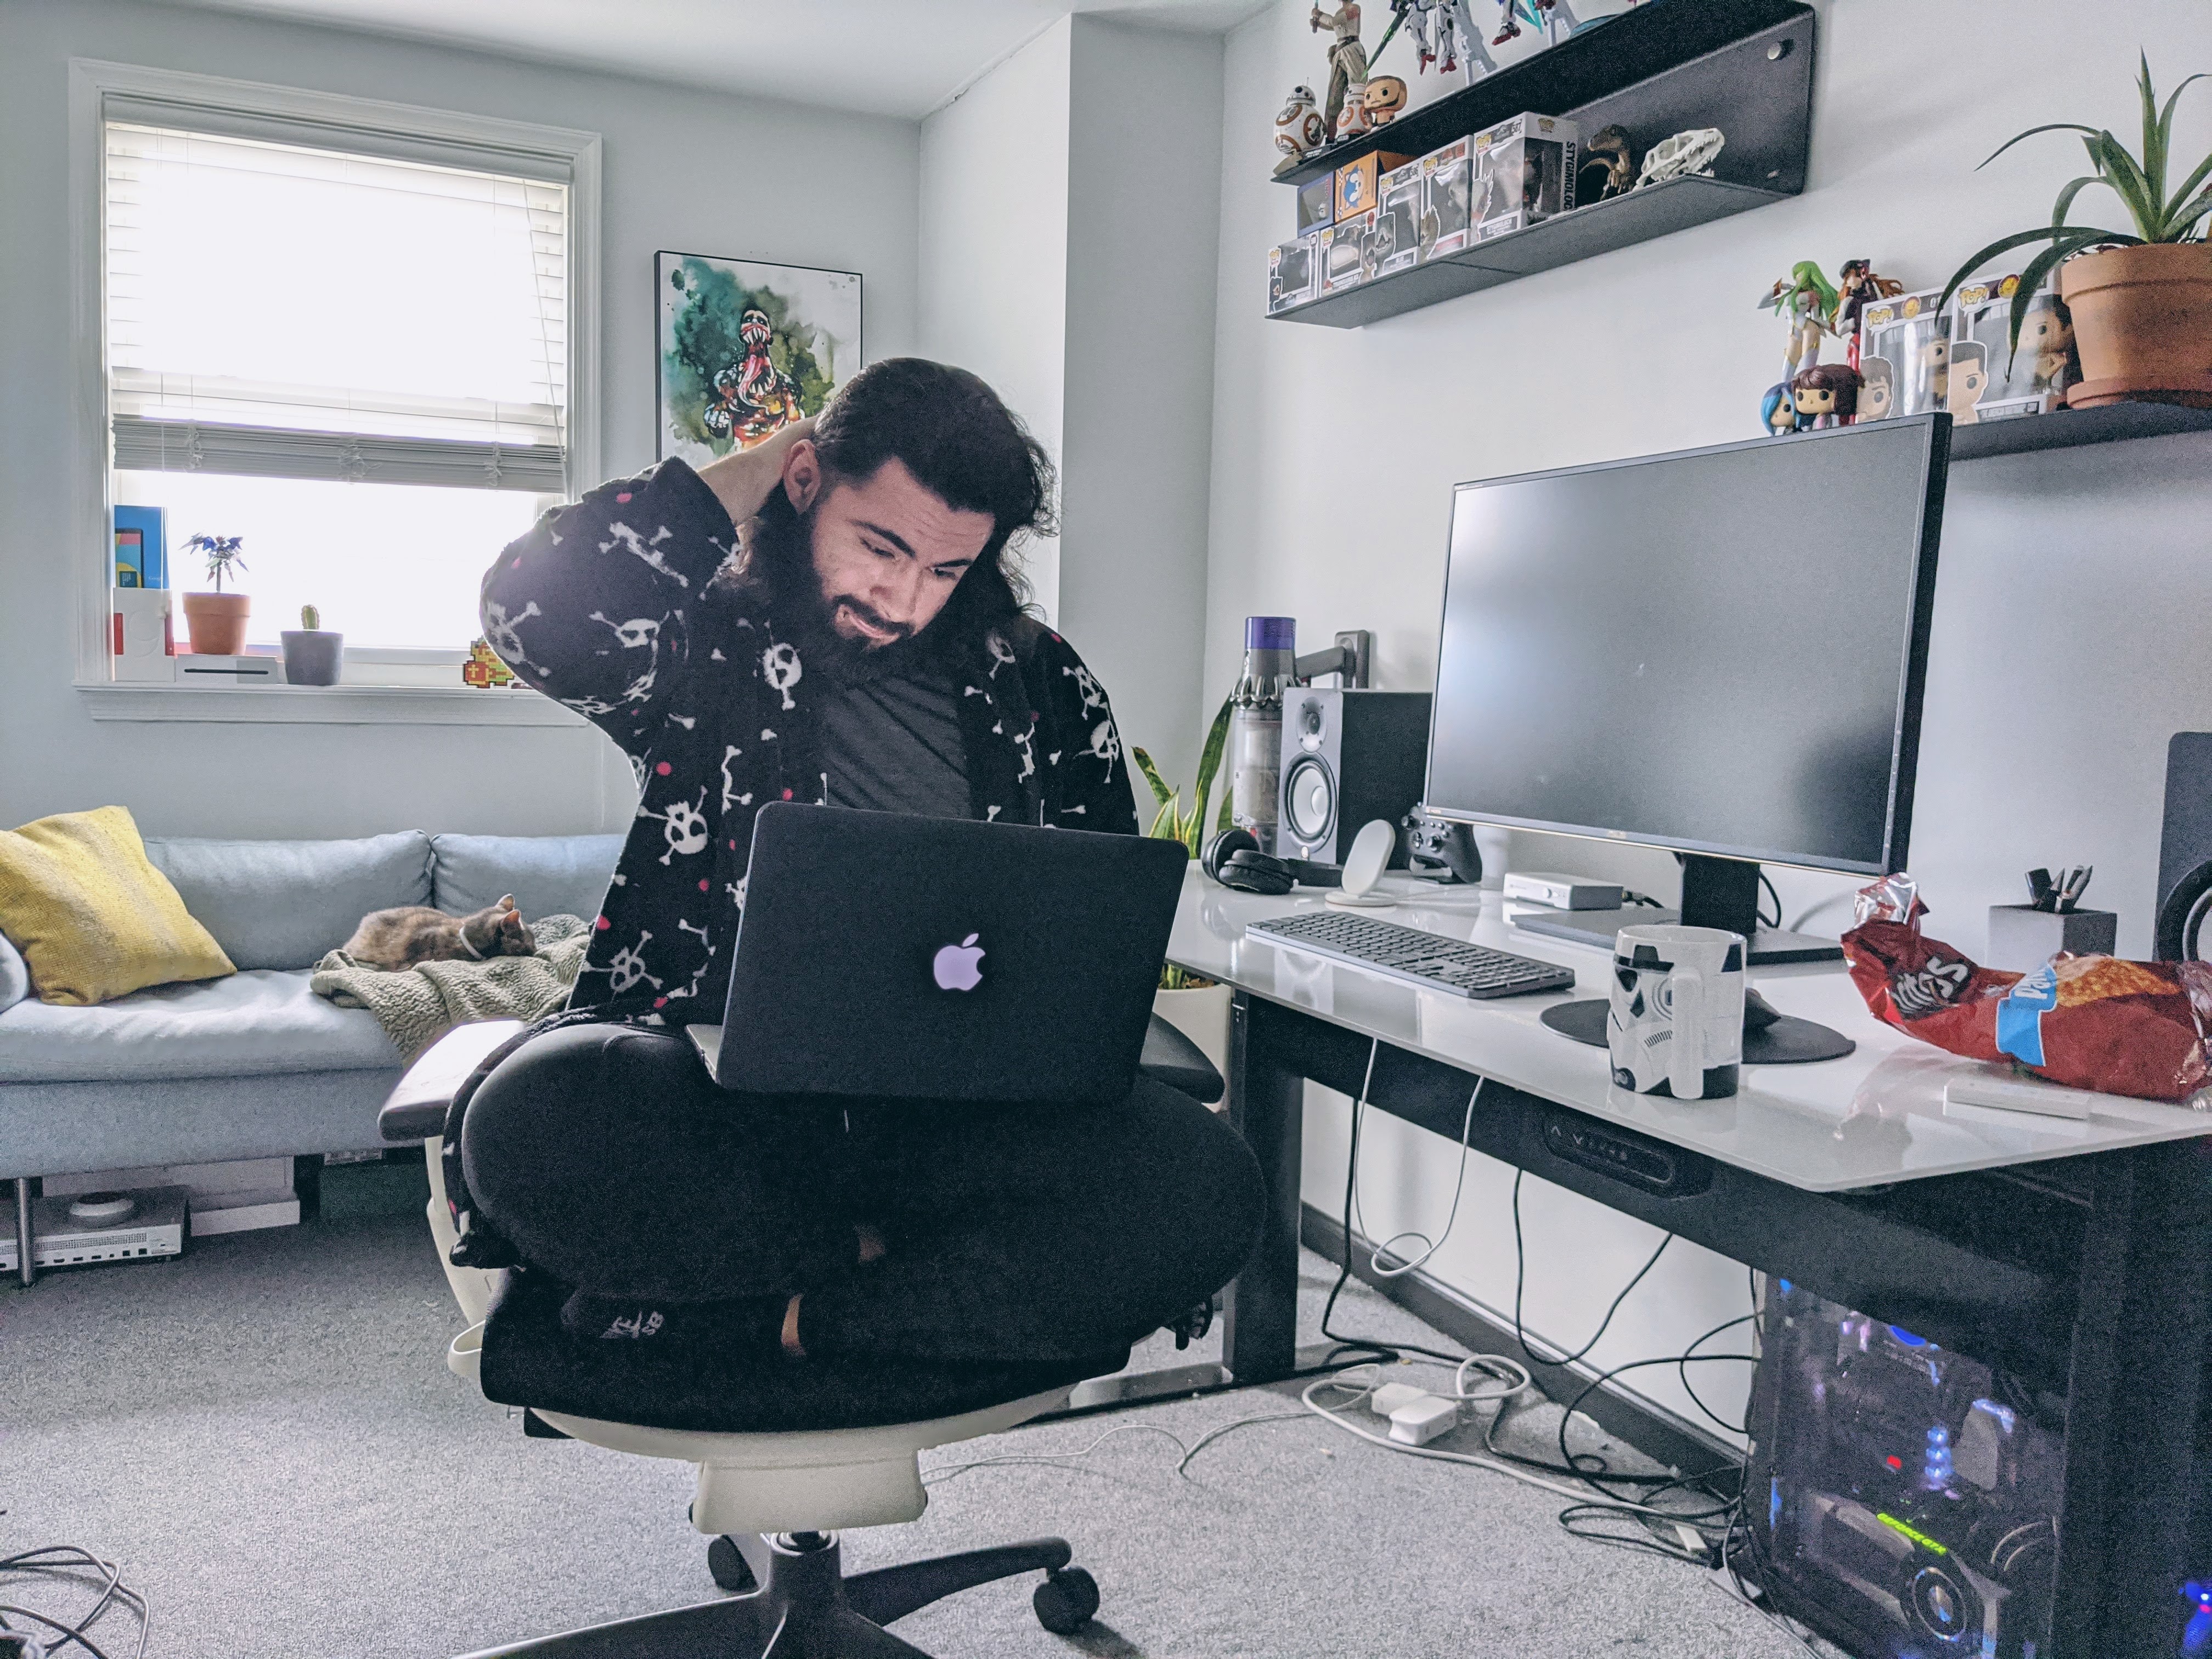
(891, 957)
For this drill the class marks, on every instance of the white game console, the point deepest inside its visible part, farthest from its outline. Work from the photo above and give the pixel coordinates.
(1562, 892)
(69, 1230)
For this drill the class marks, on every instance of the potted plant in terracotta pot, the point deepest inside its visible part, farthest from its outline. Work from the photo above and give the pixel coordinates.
(1197, 1008)
(314, 655)
(2140, 300)
(217, 620)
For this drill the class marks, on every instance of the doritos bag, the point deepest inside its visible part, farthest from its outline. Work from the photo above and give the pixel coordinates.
(2093, 1022)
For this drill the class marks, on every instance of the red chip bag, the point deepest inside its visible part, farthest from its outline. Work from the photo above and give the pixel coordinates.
(2093, 1022)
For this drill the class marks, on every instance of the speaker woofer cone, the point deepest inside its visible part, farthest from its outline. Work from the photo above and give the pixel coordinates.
(1309, 801)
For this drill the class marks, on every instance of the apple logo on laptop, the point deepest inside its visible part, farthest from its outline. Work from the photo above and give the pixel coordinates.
(955, 966)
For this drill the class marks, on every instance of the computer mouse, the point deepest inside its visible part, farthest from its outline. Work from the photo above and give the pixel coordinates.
(1758, 1012)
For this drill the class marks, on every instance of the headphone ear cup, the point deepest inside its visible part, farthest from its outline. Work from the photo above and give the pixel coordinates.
(1228, 842)
(1255, 871)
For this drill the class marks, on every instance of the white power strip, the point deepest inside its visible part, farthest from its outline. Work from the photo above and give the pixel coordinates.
(1415, 1415)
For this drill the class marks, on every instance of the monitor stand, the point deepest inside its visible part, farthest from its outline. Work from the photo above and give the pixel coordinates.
(1716, 893)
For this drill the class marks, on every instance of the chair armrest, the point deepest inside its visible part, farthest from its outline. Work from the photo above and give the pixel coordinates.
(415, 1108)
(1171, 1058)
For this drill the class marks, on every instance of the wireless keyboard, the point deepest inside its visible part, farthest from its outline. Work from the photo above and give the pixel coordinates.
(1407, 953)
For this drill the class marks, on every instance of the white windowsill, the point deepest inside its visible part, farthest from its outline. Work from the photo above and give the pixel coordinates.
(327, 705)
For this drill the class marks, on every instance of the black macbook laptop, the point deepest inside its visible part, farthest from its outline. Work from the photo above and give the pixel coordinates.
(902, 957)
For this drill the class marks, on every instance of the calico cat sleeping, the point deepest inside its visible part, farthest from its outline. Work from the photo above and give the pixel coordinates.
(397, 939)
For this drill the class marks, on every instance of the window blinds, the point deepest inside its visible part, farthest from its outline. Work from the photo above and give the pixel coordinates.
(289, 312)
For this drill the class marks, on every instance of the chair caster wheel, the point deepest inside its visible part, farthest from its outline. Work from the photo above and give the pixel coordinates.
(1065, 1601)
(728, 1566)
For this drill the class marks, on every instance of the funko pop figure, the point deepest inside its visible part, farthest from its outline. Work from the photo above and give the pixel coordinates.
(1965, 379)
(1877, 396)
(1826, 395)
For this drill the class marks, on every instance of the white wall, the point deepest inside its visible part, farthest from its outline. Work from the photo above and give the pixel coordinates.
(1143, 165)
(994, 248)
(2070, 635)
(1068, 244)
(682, 169)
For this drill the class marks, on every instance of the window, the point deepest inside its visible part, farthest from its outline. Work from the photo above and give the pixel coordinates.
(351, 334)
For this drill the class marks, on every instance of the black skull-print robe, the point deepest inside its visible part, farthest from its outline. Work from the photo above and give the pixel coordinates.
(603, 606)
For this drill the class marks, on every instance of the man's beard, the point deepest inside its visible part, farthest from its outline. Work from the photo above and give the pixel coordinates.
(779, 562)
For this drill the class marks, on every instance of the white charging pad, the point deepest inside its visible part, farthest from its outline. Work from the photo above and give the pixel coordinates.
(1363, 866)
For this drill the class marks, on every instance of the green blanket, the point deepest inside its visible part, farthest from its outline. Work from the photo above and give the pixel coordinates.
(419, 1004)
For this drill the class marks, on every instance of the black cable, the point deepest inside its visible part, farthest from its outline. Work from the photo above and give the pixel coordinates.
(1775, 897)
(1520, 1273)
(1382, 1350)
(1689, 1357)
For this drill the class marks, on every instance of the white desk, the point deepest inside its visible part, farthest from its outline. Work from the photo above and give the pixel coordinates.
(1872, 1117)
(2076, 1256)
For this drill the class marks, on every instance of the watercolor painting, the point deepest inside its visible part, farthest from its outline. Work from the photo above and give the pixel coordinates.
(746, 348)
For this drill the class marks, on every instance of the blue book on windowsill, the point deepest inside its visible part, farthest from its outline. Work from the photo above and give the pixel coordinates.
(152, 525)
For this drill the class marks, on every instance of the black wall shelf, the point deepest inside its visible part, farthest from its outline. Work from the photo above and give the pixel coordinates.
(1745, 66)
(2069, 428)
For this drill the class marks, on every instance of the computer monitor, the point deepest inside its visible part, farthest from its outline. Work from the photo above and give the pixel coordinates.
(1719, 650)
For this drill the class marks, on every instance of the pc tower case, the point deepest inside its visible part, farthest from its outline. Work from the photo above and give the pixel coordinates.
(1349, 757)
(1901, 1498)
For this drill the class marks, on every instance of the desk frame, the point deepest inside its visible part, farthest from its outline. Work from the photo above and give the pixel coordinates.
(2089, 1277)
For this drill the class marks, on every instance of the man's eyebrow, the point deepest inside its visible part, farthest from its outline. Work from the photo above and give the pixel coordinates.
(891, 536)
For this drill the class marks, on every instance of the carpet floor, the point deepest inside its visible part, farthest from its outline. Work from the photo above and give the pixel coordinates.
(265, 1437)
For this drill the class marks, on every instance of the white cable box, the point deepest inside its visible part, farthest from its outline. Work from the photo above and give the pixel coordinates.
(153, 1226)
(1562, 892)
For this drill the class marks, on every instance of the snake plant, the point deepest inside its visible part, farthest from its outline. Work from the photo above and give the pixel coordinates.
(1171, 823)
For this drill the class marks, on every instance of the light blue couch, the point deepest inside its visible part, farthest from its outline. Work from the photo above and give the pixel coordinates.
(255, 1065)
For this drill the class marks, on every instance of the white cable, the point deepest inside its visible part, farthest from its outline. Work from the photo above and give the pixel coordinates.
(1459, 1186)
(1578, 1495)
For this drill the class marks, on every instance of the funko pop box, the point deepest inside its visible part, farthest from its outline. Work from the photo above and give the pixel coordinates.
(1316, 203)
(1398, 221)
(1445, 195)
(2031, 380)
(1904, 355)
(1524, 173)
(1359, 184)
(1294, 273)
(1344, 253)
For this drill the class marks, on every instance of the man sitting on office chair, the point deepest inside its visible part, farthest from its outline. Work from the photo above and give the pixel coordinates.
(861, 643)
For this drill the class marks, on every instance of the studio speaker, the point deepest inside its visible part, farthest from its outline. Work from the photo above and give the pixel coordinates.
(2184, 849)
(1349, 757)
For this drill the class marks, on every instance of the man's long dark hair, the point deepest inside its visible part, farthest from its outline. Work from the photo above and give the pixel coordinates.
(962, 444)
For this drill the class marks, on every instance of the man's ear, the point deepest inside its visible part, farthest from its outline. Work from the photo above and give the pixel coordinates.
(802, 475)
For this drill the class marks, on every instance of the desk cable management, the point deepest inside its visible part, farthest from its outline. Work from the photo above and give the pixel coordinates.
(1682, 1535)
(71, 1563)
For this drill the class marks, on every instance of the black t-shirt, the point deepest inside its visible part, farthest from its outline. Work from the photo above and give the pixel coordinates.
(891, 739)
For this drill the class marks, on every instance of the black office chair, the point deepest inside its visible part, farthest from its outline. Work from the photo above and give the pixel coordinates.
(787, 1457)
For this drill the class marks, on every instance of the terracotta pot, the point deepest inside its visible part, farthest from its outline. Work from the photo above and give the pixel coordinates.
(217, 623)
(2142, 321)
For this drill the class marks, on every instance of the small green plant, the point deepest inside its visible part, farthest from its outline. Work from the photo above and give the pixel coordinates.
(310, 618)
(222, 555)
(2138, 181)
(1171, 823)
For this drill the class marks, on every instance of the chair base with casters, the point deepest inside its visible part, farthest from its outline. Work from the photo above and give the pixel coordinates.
(773, 1488)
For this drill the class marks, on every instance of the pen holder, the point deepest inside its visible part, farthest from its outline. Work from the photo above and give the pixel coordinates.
(2022, 937)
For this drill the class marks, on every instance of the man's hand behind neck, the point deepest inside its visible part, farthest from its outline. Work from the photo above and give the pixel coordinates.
(743, 479)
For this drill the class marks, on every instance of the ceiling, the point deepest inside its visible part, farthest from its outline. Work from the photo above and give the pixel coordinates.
(901, 57)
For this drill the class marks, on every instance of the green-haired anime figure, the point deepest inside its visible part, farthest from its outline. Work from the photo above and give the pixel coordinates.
(1806, 298)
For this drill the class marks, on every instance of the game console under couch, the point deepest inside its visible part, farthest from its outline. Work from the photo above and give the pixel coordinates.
(255, 1065)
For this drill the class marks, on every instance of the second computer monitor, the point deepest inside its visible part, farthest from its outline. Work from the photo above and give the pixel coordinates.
(1719, 650)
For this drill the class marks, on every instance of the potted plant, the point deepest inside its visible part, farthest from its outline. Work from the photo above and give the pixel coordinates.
(1197, 1008)
(2140, 300)
(313, 655)
(216, 621)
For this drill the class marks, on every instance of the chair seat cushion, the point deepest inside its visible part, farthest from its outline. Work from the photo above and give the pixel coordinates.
(253, 1023)
(528, 1360)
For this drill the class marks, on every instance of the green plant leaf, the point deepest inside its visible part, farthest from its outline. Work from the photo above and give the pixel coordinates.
(1164, 821)
(2127, 181)
(2064, 204)
(2006, 244)
(2041, 267)
(2154, 133)
(1209, 762)
(2055, 126)
(1161, 792)
(1224, 819)
(2194, 182)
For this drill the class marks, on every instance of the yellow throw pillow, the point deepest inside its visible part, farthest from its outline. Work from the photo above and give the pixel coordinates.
(93, 918)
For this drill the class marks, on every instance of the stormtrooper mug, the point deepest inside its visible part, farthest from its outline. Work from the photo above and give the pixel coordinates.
(1676, 1022)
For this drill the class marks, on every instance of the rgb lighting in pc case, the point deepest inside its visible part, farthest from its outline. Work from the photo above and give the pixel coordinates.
(1904, 1499)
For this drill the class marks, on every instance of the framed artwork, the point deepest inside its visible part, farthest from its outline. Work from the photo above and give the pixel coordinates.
(744, 348)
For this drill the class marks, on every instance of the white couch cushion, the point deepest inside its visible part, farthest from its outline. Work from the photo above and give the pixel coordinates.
(253, 1023)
